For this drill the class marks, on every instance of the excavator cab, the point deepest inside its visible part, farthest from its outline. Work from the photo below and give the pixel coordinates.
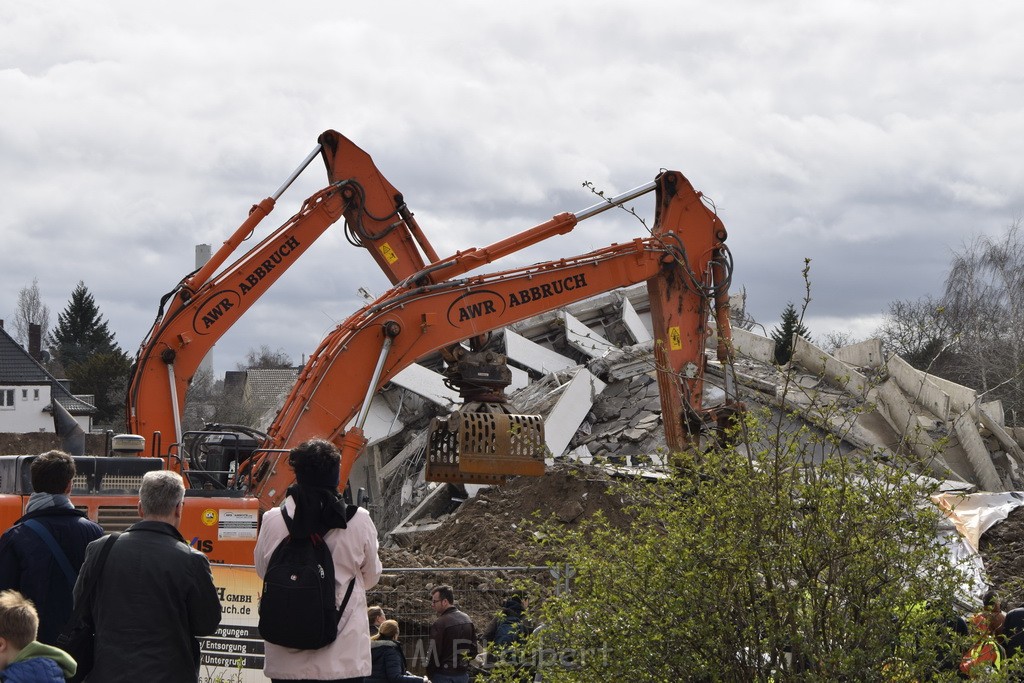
(483, 442)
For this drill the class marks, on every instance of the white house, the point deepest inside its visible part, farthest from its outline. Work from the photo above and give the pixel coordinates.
(28, 392)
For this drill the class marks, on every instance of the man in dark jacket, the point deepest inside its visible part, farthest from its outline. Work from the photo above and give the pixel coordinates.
(452, 640)
(28, 564)
(154, 595)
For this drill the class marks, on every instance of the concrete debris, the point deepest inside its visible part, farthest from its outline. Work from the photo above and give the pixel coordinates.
(592, 377)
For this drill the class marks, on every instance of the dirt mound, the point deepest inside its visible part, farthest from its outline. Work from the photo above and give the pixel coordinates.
(493, 527)
(1002, 550)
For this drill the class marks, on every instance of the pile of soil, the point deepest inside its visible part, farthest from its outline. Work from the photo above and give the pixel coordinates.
(1002, 550)
(493, 529)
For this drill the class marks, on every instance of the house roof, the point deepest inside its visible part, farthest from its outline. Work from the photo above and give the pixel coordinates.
(17, 367)
(264, 387)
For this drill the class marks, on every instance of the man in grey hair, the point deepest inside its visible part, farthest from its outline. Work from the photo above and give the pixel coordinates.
(154, 595)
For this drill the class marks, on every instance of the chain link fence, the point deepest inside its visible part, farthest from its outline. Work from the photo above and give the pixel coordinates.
(404, 595)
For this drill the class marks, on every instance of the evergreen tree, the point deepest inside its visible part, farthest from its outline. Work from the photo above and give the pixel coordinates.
(783, 335)
(80, 331)
(84, 346)
(105, 377)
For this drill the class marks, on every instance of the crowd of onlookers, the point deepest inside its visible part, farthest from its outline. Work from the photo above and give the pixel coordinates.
(76, 604)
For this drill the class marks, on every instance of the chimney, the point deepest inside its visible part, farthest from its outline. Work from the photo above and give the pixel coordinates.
(1, 324)
(35, 341)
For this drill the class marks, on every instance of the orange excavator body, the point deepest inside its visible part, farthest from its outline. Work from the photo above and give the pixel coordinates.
(431, 307)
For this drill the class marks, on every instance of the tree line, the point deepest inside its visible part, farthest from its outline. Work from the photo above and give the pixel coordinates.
(81, 348)
(971, 333)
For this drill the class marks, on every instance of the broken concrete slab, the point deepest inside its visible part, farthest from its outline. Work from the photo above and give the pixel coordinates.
(977, 453)
(538, 358)
(918, 387)
(865, 354)
(637, 329)
(575, 402)
(428, 384)
(584, 339)
(753, 346)
(836, 372)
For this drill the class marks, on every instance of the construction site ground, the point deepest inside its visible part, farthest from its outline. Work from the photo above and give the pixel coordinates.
(490, 529)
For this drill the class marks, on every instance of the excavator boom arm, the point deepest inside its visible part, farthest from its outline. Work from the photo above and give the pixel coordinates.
(678, 262)
(376, 215)
(207, 303)
(194, 322)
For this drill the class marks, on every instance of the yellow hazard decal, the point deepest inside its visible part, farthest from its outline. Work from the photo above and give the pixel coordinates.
(388, 253)
(209, 516)
(675, 339)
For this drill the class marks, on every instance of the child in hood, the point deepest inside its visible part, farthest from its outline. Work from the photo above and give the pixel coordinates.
(23, 659)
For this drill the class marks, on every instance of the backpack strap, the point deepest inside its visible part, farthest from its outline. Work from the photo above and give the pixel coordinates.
(55, 549)
(348, 594)
(350, 512)
(86, 602)
(286, 517)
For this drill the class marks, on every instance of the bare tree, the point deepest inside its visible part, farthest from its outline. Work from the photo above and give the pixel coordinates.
(738, 315)
(264, 358)
(837, 339)
(921, 332)
(985, 297)
(974, 334)
(30, 311)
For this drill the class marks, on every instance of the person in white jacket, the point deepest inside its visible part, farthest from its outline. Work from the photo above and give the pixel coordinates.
(314, 504)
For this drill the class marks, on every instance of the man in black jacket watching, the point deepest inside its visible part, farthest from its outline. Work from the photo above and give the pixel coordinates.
(27, 562)
(154, 594)
(452, 639)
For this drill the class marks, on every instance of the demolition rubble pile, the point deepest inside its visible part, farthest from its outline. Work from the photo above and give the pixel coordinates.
(595, 386)
(494, 528)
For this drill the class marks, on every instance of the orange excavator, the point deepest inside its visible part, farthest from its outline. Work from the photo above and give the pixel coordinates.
(433, 306)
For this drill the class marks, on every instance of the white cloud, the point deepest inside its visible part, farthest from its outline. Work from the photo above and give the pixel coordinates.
(870, 137)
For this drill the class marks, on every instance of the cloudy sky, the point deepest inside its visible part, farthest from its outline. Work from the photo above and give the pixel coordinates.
(872, 137)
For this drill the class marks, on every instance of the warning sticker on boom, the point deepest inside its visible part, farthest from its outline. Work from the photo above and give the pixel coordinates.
(388, 253)
(675, 339)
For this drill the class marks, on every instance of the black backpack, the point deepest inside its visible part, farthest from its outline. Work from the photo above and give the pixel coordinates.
(297, 606)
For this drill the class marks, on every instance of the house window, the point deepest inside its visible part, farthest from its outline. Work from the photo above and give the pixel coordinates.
(24, 394)
(35, 394)
(7, 398)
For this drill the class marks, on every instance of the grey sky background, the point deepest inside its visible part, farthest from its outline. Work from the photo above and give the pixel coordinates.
(872, 137)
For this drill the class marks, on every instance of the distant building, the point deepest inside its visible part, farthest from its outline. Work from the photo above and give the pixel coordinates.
(28, 391)
(258, 393)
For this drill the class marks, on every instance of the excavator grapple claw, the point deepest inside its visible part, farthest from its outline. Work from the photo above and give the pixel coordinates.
(484, 444)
